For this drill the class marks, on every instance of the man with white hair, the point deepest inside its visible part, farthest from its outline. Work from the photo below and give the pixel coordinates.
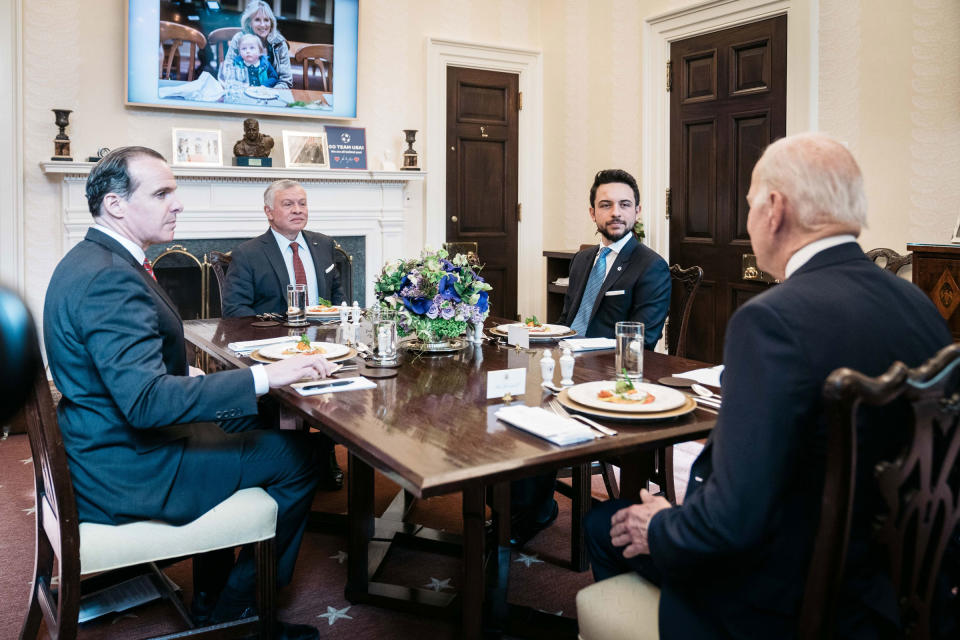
(732, 560)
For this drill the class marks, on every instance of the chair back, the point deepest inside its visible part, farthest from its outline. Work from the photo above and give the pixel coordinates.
(184, 279)
(218, 262)
(890, 259)
(176, 34)
(58, 528)
(219, 39)
(685, 284)
(469, 249)
(344, 262)
(919, 490)
(322, 56)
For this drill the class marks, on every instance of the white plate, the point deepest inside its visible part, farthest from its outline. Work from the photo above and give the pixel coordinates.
(276, 351)
(549, 330)
(324, 314)
(261, 93)
(664, 398)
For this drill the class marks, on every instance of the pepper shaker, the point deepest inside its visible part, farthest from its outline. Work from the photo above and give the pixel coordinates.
(344, 311)
(566, 368)
(547, 364)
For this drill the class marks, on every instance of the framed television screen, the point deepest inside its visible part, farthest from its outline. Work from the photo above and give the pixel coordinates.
(273, 57)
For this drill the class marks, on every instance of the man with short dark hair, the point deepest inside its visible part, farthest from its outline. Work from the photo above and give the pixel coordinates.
(287, 253)
(136, 419)
(731, 561)
(620, 279)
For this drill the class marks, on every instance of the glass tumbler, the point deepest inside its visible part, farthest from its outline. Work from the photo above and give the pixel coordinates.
(629, 358)
(296, 303)
(385, 336)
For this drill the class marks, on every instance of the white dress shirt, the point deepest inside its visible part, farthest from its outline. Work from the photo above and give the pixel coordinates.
(802, 255)
(615, 249)
(261, 382)
(313, 292)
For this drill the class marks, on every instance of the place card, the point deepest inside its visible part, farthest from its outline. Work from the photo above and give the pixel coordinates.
(504, 381)
(519, 336)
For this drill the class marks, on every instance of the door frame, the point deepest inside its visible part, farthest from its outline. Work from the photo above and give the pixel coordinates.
(11, 140)
(528, 64)
(660, 30)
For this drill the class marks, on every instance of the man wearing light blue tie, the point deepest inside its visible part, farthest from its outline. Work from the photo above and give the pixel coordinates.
(620, 279)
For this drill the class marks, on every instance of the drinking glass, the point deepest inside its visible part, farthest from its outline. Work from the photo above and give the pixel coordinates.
(385, 335)
(630, 350)
(234, 81)
(296, 303)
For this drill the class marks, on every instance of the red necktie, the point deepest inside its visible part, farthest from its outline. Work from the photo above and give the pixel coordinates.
(299, 274)
(149, 268)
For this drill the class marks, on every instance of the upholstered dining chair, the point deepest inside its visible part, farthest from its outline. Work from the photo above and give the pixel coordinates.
(917, 529)
(172, 35)
(320, 55)
(891, 260)
(79, 548)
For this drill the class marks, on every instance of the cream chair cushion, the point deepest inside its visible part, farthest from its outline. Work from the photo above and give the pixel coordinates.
(249, 515)
(625, 606)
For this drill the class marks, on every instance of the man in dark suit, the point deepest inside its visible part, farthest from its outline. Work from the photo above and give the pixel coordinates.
(134, 416)
(261, 269)
(732, 560)
(620, 279)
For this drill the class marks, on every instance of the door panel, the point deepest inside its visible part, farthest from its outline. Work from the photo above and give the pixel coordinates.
(482, 144)
(728, 104)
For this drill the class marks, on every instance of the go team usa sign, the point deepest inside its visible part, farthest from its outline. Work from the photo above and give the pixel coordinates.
(347, 147)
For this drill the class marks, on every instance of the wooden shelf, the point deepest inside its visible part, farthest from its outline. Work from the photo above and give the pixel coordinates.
(558, 266)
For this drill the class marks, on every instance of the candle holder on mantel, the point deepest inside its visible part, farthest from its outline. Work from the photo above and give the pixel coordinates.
(410, 160)
(61, 143)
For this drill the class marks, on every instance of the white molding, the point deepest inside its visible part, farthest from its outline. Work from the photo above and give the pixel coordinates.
(227, 202)
(659, 31)
(528, 64)
(11, 141)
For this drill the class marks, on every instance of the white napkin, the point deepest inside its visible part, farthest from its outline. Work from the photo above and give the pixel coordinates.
(709, 376)
(356, 384)
(206, 88)
(251, 345)
(547, 425)
(588, 344)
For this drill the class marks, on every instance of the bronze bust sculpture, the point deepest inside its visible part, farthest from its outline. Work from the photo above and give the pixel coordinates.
(253, 143)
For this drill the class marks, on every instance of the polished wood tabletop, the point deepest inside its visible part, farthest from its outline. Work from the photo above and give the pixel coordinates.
(431, 428)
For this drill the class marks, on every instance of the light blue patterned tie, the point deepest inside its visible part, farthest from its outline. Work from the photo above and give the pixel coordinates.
(594, 282)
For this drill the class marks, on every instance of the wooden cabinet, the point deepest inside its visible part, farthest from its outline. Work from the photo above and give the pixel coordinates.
(558, 266)
(936, 270)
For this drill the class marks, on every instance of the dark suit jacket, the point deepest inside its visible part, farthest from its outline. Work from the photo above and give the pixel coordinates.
(115, 346)
(644, 278)
(734, 556)
(257, 279)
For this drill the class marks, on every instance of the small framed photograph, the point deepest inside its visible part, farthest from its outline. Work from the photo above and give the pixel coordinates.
(197, 147)
(307, 149)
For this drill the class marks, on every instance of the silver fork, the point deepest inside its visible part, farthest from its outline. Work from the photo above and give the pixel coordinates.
(559, 409)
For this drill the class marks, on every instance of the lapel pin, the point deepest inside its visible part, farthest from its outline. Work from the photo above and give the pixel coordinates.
(619, 268)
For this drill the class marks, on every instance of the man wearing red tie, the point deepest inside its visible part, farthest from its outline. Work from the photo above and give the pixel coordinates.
(137, 421)
(287, 253)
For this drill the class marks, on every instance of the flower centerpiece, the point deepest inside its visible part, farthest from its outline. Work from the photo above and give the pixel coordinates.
(433, 297)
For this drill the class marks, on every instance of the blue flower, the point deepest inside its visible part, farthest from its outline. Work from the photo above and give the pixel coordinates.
(482, 302)
(447, 289)
(447, 312)
(418, 305)
(433, 311)
(448, 266)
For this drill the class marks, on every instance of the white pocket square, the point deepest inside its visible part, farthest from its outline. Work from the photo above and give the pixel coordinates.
(616, 292)
(330, 268)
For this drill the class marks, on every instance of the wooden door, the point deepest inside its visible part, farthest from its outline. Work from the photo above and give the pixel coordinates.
(728, 101)
(482, 127)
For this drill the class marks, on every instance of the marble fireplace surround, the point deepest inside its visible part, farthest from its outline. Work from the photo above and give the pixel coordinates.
(227, 202)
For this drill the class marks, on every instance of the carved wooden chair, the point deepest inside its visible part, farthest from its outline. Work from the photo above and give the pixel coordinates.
(344, 262)
(219, 41)
(469, 249)
(79, 548)
(685, 285)
(172, 35)
(890, 259)
(320, 55)
(919, 491)
(218, 262)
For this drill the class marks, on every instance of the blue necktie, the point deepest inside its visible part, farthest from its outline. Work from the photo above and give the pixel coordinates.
(594, 282)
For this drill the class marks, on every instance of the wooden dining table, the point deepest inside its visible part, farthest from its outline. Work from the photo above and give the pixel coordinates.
(432, 430)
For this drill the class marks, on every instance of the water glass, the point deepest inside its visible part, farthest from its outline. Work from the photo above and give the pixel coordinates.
(296, 303)
(630, 350)
(385, 336)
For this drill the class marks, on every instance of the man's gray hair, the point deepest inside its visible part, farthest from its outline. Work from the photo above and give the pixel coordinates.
(278, 185)
(819, 178)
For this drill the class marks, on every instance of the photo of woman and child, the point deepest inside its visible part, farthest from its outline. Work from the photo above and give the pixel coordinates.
(259, 49)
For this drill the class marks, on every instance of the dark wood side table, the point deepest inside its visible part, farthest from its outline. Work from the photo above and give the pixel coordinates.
(558, 266)
(936, 270)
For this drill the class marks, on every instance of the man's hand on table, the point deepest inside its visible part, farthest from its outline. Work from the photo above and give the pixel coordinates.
(629, 525)
(296, 368)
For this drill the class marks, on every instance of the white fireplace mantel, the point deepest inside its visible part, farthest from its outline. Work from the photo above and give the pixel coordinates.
(227, 202)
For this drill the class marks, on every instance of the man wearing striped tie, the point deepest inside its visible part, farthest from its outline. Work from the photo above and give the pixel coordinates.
(620, 279)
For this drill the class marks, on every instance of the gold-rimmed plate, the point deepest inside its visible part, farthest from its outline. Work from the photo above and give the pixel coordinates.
(658, 397)
(688, 406)
(259, 357)
(549, 331)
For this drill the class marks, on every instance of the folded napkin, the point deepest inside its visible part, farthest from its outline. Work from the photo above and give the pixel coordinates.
(709, 376)
(206, 88)
(251, 345)
(355, 384)
(547, 425)
(588, 344)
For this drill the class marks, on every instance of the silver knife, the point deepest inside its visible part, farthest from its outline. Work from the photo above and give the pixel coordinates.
(321, 385)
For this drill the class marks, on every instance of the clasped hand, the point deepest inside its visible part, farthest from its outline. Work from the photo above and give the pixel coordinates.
(629, 525)
(295, 368)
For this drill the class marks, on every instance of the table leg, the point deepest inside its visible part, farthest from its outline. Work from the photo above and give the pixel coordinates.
(473, 579)
(636, 469)
(581, 504)
(359, 525)
(498, 566)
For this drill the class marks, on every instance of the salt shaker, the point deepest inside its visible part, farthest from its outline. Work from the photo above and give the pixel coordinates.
(344, 312)
(547, 364)
(566, 368)
(478, 332)
(356, 312)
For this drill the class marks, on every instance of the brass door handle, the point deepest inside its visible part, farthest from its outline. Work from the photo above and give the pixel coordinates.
(752, 272)
(453, 218)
